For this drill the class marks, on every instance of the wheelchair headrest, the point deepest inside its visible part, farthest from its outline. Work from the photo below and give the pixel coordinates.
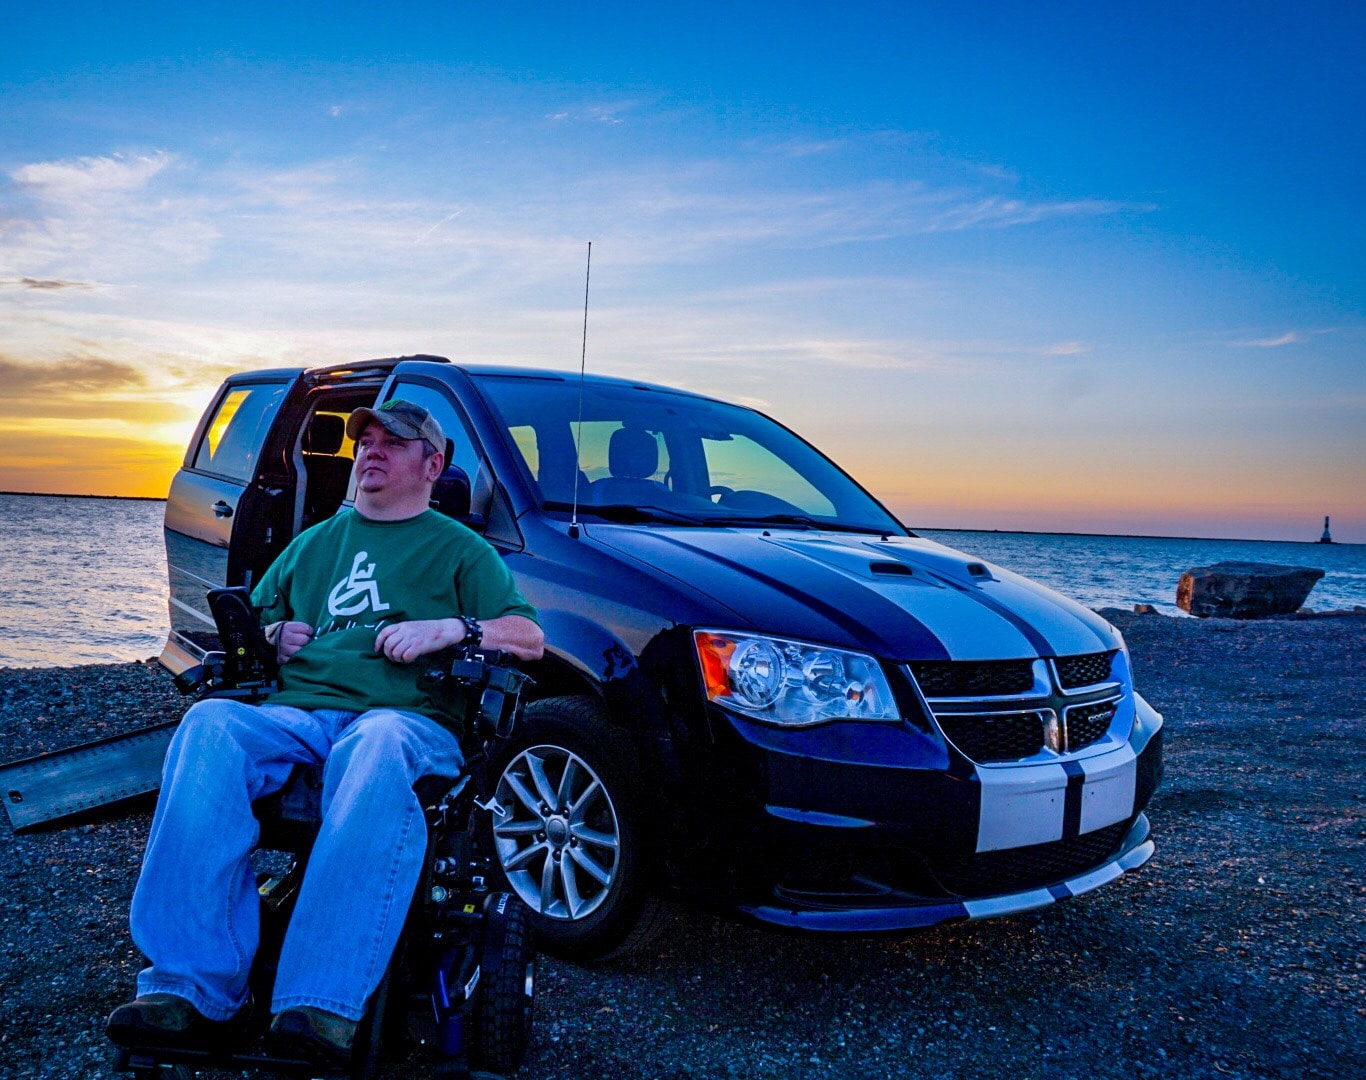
(632, 454)
(451, 493)
(324, 434)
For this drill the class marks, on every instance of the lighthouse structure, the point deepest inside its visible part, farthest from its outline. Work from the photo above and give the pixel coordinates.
(1327, 537)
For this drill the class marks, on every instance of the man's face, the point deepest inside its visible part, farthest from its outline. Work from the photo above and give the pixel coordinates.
(392, 467)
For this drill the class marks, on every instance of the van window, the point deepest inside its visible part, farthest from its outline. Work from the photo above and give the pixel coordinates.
(525, 439)
(715, 462)
(595, 449)
(740, 462)
(452, 423)
(232, 443)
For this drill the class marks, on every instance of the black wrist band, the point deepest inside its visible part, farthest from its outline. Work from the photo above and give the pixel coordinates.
(474, 633)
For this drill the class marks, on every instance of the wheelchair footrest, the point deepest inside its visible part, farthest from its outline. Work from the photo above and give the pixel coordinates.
(152, 1060)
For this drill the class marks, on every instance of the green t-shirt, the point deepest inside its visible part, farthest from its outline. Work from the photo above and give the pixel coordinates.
(349, 577)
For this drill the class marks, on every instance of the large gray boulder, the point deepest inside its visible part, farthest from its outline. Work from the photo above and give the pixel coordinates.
(1244, 590)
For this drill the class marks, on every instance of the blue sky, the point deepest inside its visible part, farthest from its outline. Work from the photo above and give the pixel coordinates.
(1080, 267)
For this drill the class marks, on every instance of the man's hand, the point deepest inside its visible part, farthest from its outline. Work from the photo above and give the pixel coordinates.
(404, 642)
(289, 638)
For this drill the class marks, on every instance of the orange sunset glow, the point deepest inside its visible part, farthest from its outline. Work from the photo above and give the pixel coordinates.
(1001, 304)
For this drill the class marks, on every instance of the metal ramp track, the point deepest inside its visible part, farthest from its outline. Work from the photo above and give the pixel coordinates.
(67, 784)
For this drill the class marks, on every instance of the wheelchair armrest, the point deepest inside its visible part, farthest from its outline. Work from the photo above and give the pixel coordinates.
(493, 685)
(249, 670)
(501, 702)
(195, 681)
(246, 668)
(212, 678)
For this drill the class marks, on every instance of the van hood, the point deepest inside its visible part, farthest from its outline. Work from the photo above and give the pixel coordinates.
(901, 598)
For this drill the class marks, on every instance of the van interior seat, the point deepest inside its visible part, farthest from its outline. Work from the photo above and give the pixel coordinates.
(327, 474)
(632, 457)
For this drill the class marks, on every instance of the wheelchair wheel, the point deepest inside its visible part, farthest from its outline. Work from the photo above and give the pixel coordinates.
(503, 1009)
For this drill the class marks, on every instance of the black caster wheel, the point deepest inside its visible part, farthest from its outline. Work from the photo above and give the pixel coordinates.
(503, 1009)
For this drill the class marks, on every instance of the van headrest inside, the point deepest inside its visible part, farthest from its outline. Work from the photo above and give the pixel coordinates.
(324, 435)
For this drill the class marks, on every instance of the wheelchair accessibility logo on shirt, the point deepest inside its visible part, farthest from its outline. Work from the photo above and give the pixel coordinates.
(356, 592)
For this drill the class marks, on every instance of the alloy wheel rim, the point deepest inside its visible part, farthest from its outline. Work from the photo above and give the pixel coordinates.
(560, 843)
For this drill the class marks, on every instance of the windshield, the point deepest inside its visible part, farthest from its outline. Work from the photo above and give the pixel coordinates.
(652, 455)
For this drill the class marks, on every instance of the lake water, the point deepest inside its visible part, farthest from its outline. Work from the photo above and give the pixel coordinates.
(1120, 571)
(83, 581)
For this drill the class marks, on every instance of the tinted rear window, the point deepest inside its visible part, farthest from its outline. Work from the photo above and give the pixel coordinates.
(232, 443)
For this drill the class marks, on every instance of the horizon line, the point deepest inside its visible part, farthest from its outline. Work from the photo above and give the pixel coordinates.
(1143, 536)
(911, 528)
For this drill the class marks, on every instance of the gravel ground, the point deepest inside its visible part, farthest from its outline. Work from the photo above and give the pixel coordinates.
(1238, 951)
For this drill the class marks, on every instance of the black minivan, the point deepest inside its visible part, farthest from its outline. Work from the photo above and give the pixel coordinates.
(760, 691)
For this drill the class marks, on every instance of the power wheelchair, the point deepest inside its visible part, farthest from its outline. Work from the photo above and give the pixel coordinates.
(462, 979)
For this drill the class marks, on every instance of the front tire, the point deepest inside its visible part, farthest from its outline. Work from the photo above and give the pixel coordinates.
(572, 844)
(507, 992)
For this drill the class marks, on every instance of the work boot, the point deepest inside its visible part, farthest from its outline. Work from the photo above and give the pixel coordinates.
(314, 1035)
(171, 1022)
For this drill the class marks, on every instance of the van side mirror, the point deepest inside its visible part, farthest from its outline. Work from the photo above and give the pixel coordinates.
(451, 493)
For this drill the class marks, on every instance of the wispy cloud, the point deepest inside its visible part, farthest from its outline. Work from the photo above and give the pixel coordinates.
(78, 375)
(601, 112)
(788, 355)
(90, 388)
(183, 227)
(106, 218)
(996, 212)
(804, 148)
(1065, 348)
(88, 178)
(1290, 338)
(213, 266)
(43, 284)
(445, 220)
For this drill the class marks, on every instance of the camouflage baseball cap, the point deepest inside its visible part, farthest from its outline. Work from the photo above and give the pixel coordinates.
(402, 418)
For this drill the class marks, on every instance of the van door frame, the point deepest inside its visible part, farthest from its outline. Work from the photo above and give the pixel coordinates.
(205, 512)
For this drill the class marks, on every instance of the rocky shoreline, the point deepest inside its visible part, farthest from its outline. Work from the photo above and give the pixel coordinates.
(1237, 951)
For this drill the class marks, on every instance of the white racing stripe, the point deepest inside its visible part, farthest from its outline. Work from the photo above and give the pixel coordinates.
(967, 628)
(1032, 899)
(1021, 806)
(1065, 624)
(1108, 794)
(1009, 904)
(1026, 804)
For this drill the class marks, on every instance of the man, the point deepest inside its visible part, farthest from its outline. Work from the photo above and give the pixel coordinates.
(354, 602)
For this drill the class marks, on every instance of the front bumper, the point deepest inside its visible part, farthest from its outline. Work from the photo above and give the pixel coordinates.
(909, 914)
(867, 828)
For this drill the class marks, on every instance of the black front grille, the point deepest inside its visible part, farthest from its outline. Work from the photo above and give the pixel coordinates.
(1006, 737)
(973, 678)
(990, 873)
(1087, 724)
(1086, 670)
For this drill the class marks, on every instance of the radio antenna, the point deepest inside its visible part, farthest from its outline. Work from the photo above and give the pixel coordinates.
(578, 428)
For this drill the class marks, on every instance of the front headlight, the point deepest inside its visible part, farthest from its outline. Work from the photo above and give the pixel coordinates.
(791, 682)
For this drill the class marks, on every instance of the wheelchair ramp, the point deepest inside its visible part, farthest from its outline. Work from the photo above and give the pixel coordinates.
(72, 783)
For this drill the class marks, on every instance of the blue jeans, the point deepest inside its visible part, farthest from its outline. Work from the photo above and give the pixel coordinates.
(195, 912)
